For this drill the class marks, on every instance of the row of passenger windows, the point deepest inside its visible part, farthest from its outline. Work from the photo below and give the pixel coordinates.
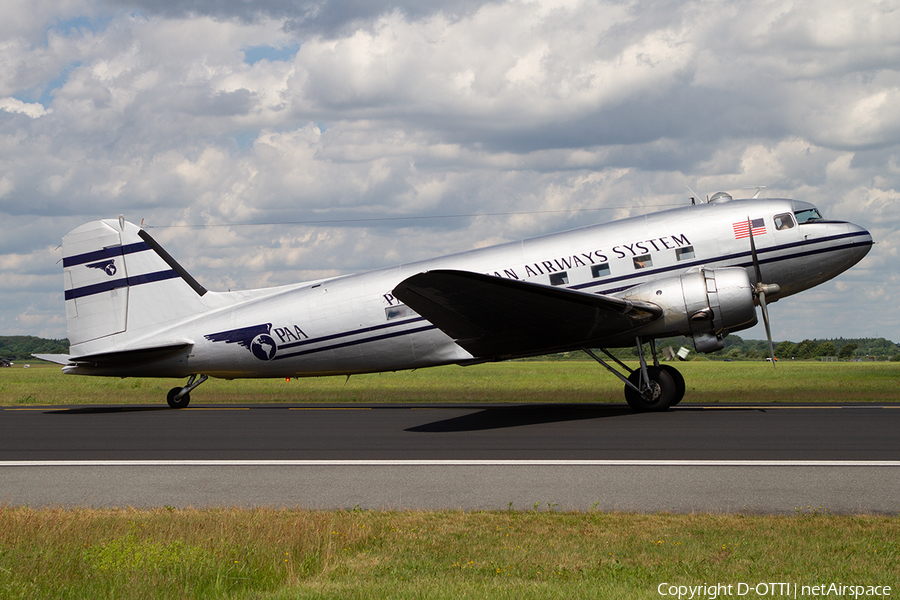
(640, 262)
(562, 278)
(782, 221)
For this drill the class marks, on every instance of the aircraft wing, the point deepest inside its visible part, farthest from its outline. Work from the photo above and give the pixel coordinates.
(499, 318)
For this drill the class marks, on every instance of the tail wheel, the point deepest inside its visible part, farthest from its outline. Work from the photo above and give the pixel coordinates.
(656, 396)
(177, 402)
(680, 386)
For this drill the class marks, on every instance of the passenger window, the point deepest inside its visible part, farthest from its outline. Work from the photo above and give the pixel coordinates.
(785, 221)
(396, 312)
(643, 261)
(685, 253)
(559, 278)
(600, 270)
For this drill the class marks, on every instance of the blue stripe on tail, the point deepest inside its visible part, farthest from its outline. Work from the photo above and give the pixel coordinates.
(90, 290)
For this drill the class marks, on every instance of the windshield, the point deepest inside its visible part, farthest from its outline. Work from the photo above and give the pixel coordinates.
(809, 215)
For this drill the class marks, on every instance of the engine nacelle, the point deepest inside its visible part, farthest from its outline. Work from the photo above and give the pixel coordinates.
(705, 304)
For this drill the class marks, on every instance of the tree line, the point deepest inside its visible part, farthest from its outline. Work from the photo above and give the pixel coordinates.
(737, 348)
(21, 347)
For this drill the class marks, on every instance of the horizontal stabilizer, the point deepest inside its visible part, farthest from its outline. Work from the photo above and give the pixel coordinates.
(492, 317)
(60, 359)
(125, 357)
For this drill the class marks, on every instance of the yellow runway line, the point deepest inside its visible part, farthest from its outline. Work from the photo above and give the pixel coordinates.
(333, 408)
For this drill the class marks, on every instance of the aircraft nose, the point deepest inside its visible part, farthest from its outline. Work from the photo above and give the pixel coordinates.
(860, 242)
(861, 238)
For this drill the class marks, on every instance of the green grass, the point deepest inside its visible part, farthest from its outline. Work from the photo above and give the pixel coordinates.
(273, 554)
(527, 381)
(267, 554)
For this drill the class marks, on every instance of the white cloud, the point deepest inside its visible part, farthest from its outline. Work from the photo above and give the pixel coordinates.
(33, 110)
(415, 109)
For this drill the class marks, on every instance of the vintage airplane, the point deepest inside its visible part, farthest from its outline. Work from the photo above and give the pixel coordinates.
(698, 271)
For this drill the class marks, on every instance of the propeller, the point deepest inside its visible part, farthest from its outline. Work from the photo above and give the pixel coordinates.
(761, 289)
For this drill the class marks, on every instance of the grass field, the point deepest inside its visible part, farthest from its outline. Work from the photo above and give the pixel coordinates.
(281, 554)
(298, 554)
(526, 381)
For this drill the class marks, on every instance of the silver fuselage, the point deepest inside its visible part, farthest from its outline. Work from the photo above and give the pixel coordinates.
(353, 324)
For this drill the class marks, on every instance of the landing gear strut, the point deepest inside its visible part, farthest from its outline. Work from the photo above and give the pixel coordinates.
(649, 388)
(180, 397)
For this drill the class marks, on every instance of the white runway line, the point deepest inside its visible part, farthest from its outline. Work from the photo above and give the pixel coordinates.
(450, 463)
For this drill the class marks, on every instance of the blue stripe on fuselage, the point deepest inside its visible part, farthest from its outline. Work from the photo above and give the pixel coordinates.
(739, 255)
(164, 275)
(377, 338)
(643, 273)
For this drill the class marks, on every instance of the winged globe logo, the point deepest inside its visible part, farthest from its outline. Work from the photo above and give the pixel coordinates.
(255, 338)
(263, 347)
(108, 266)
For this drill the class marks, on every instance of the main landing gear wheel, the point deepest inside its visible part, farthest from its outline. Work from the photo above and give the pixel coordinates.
(177, 402)
(662, 387)
(678, 378)
(658, 395)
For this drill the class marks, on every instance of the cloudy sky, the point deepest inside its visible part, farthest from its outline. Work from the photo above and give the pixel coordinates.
(294, 139)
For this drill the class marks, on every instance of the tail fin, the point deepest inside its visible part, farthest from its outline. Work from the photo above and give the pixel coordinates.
(119, 283)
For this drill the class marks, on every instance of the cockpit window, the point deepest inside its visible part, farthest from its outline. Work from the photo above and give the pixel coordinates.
(783, 221)
(810, 215)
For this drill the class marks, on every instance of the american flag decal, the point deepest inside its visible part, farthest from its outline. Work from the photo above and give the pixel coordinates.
(742, 229)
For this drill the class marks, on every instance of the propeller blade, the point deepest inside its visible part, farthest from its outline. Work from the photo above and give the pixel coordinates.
(753, 253)
(765, 315)
(760, 290)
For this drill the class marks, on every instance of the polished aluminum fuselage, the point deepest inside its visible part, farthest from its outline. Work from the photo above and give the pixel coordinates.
(353, 324)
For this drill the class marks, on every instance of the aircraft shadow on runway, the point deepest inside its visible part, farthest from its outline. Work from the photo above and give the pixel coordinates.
(104, 410)
(520, 416)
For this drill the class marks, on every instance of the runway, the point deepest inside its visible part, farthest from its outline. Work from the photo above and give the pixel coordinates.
(712, 458)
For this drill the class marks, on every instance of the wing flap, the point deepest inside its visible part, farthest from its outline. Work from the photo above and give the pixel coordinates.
(500, 318)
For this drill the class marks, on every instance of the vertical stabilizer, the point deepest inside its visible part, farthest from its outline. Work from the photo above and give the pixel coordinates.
(121, 285)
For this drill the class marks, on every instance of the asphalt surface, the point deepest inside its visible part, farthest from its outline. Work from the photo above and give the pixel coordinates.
(718, 458)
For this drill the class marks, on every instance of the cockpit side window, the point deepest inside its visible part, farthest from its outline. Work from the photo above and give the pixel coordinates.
(783, 221)
(809, 215)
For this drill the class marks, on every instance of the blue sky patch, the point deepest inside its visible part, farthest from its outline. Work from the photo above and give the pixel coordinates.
(69, 26)
(254, 54)
(54, 84)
